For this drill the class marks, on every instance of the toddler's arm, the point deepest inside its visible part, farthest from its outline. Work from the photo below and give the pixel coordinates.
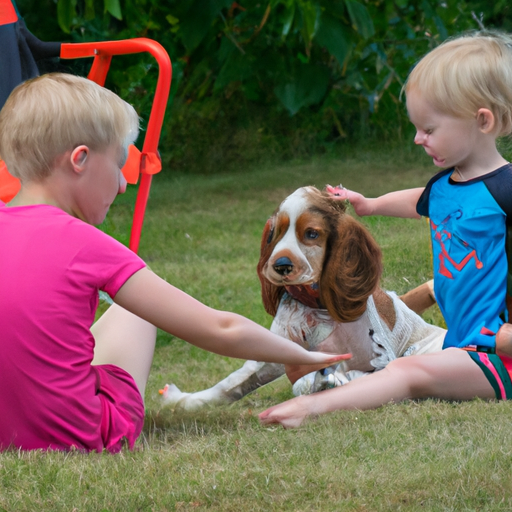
(401, 203)
(156, 301)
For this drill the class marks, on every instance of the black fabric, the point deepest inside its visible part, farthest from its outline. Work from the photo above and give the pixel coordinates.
(19, 53)
(423, 202)
(499, 184)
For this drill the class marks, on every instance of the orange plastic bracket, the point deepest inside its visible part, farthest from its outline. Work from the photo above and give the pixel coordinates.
(131, 168)
(7, 12)
(137, 163)
(150, 163)
(9, 185)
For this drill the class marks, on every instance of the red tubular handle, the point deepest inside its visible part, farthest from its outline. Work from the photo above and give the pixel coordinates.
(102, 52)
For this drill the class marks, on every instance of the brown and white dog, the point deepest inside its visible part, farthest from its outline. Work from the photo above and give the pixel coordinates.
(320, 270)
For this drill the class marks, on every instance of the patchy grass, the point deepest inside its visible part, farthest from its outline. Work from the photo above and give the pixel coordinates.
(203, 234)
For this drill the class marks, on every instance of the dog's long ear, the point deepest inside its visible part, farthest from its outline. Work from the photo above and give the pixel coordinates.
(352, 270)
(270, 294)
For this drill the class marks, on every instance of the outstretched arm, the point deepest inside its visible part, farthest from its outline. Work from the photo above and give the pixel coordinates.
(156, 301)
(401, 203)
(450, 374)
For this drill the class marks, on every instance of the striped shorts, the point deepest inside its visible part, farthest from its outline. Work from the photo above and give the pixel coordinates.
(498, 370)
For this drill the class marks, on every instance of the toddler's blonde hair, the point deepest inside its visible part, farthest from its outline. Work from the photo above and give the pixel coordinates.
(467, 73)
(46, 116)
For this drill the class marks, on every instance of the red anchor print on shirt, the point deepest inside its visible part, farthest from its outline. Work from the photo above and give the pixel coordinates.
(440, 235)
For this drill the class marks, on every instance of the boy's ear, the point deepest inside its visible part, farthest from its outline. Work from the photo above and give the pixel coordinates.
(486, 120)
(78, 158)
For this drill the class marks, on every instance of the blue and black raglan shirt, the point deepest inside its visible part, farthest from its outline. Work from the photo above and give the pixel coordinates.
(470, 223)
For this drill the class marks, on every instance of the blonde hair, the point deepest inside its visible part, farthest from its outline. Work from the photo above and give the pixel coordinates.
(467, 73)
(46, 116)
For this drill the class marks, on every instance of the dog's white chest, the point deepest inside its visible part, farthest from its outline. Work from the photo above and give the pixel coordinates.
(315, 329)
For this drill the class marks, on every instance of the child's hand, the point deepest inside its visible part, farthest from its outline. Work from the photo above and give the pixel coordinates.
(295, 371)
(401, 203)
(322, 360)
(360, 204)
(289, 414)
(337, 192)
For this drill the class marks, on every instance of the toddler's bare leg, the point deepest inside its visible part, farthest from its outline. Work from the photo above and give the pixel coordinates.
(450, 374)
(127, 341)
(504, 340)
(420, 298)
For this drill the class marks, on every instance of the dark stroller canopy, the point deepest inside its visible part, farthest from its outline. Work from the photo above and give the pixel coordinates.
(19, 50)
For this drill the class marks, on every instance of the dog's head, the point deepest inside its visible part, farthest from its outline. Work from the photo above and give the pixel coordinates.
(312, 247)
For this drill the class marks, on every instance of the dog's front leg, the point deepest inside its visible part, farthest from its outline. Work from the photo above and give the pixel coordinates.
(331, 377)
(249, 377)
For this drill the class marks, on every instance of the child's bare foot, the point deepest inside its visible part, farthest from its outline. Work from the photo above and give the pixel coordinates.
(504, 340)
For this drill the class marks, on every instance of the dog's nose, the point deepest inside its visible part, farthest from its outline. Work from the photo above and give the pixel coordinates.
(283, 266)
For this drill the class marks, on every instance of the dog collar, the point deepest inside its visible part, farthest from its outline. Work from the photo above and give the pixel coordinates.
(309, 295)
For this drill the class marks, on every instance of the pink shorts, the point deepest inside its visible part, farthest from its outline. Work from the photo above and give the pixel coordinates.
(122, 407)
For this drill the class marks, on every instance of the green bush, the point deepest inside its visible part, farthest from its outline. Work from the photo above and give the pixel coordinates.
(282, 78)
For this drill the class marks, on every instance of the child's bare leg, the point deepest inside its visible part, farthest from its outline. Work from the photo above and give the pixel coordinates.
(450, 374)
(420, 298)
(127, 341)
(504, 340)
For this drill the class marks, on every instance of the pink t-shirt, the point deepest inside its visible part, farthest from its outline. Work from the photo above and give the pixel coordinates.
(51, 269)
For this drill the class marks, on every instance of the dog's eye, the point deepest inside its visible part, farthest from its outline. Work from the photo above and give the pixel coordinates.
(270, 236)
(311, 234)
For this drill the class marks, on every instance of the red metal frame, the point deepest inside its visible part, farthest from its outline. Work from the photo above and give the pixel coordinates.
(102, 52)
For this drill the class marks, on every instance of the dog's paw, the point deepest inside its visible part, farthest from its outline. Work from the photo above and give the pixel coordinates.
(304, 385)
(328, 378)
(180, 401)
(171, 394)
(314, 382)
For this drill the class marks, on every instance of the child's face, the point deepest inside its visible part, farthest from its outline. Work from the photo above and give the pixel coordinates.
(103, 183)
(450, 141)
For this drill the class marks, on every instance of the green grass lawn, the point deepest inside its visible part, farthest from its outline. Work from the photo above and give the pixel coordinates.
(203, 234)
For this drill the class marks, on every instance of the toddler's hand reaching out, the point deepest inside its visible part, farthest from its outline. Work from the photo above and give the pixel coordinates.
(360, 203)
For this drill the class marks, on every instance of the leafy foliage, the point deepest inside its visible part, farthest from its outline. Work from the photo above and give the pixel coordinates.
(331, 67)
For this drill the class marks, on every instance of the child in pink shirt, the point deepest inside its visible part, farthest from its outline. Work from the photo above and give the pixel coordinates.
(64, 383)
